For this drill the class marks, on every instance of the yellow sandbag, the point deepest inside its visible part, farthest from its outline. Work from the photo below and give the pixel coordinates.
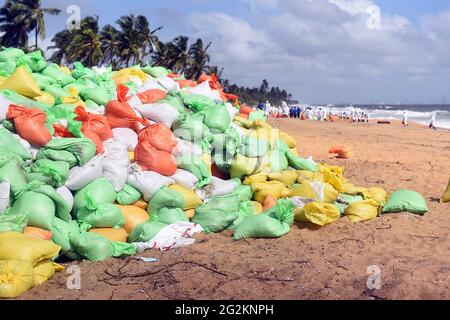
(305, 190)
(330, 193)
(351, 189)
(18, 246)
(141, 204)
(190, 213)
(45, 270)
(377, 194)
(127, 73)
(305, 175)
(208, 161)
(243, 166)
(289, 140)
(362, 210)
(73, 99)
(16, 277)
(319, 213)
(319, 191)
(270, 135)
(242, 122)
(259, 177)
(333, 176)
(191, 199)
(276, 189)
(46, 98)
(288, 177)
(22, 82)
(112, 234)
(446, 196)
(133, 216)
(257, 207)
(66, 70)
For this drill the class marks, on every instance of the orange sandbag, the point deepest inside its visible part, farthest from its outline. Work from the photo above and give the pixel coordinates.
(120, 114)
(37, 233)
(160, 137)
(216, 172)
(90, 134)
(61, 131)
(189, 213)
(333, 118)
(115, 235)
(95, 122)
(152, 159)
(187, 83)
(246, 109)
(269, 203)
(151, 96)
(141, 204)
(30, 124)
(303, 116)
(133, 216)
(341, 152)
(203, 77)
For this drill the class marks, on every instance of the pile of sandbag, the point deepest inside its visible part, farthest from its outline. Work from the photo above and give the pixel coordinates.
(101, 163)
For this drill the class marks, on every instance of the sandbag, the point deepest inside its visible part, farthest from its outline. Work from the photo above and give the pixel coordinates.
(151, 95)
(165, 198)
(319, 213)
(344, 200)
(299, 163)
(39, 209)
(96, 247)
(116, 164)
(217, 118)
(12, 173)
(56, 171)
(44, 271)
(406, 200)
(446, 196)
(253, 148)
(133, 216)
(197, 167)
(170, 216)
(96, 123)
(244, 193)
(22, 83)
(274, 223)
(191, 199)
(128, 195)
(288, 177)
(99, 215)
(8, 142)
(218, 187)
(126, 136)
(61, 232)
(37, 233)
(185, 179)
(159, 112)
(114, 235)
(10, 222)
(147, 182)
(276, 189)
(53, 71)
(65, 194)
(145, 231)
(362, 210)
(98, 191)
(377, 194)
(79, 177)
(83, 149)
(277, 161)
(5, 193)
(305, 175)
(160, 137)
(30, 124)
(16, 277)
(156, 72)
(10, 54)
(243, 166)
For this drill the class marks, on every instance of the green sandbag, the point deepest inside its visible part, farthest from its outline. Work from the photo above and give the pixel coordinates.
(278, 161)
(257, 115)
(95, 247)
(228, 141)
(174, 101)
(128, 195)
(10, 54)
(246, 209)
(23, 101)
(13, 222)
(91, 104)
(299, 163)
(218, 213)
(60, 111)
(156, 72)
(52, 70)
(57, 155)
(61, 231)
(191, 128)
(165, 198)
(253, 148)
(83, 149)
(42, 80)
(344, 200)
(99, 95)
(98, 191)
(57, 171)
(198, 102)
(217, 118)
(406, 200)
(79, 72)
(7, 156)
(13, 173)
(197, 167)
(9, 125)
(274, 223)
(103, 215)
(33, 60)
(8, 67)
(56, 90)
(145, 231)
(243, 192)
(9, 142)
(170, 216)
(39, 209)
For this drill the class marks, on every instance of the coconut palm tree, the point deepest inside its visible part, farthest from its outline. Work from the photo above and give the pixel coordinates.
(177, 56)
(15, 31)
(199, 59)
(61, 43)
(111, 45)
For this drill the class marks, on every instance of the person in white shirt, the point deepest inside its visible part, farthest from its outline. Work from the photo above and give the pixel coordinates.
(267, 109)
(432, 122)
(405, 119)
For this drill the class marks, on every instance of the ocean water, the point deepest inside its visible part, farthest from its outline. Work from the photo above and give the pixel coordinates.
(416, 113)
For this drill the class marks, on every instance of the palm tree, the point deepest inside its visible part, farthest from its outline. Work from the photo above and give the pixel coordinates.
(28, 15)
(178, 58)
(199, 59)
(15, 31)
(111, 45)
(86, 45)
(61, 43)
(160, 54)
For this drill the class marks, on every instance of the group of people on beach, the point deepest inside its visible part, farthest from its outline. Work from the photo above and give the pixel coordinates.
(432, 121)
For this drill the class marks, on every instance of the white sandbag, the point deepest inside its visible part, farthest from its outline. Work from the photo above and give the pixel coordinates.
(232, 110)
(187, 147)
(65, 193)
(300, 202)
(185, 179)
(116, 163)
(126, 136)
(134, 101)
(218, 187)
(80, 177)
(204, 89)
(147, 182)
(137, 81)
(4, 106)
(168, 83)
(100, 110)
(159, 112)
(4, 196)
(150, 84)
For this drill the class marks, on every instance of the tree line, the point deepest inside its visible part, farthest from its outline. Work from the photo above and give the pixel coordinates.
(130, 41)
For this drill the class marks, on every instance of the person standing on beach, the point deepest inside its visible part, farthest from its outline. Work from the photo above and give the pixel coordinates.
(405, 119)
(433, 120)
(260, 106)
(267, 109)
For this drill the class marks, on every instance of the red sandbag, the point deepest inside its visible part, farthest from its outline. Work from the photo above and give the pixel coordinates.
(120, 114)
(61, 131)
(216, 172)
(203, 77)
(187, 83)
(30, 124)
(94, 122)
(151, 96)
(246, 109)
(152, 159)
(160, 137)
(90, 134)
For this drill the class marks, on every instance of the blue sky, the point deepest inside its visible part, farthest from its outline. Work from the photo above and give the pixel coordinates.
(320, 50)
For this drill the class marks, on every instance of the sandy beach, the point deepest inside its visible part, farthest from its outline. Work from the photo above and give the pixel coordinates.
(412, 252)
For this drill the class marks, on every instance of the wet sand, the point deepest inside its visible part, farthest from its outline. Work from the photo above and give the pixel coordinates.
(412, 252)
